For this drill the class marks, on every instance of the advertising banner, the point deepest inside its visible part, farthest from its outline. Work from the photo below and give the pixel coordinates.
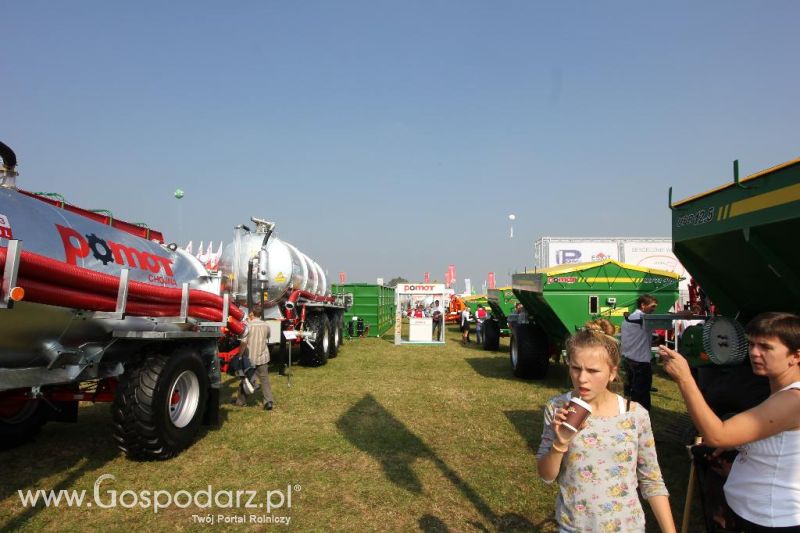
(652, 254)
(566, 251)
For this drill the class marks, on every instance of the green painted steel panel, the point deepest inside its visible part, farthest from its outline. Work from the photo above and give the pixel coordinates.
(373, 303)
(561, 299)
(738, 242)
(502, 302)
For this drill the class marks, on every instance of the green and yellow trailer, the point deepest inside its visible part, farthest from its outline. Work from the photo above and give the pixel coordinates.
(558, 301)
(501, 302)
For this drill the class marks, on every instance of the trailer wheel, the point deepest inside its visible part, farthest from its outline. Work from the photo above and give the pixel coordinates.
(491, 335)
(335, 328)
(159, 405)
(20, 422)
(529, 353)
(319, 324)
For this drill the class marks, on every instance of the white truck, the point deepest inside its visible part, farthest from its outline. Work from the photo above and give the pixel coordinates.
(648, 252)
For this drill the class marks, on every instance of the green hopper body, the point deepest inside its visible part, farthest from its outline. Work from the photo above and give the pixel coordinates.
(562, 299)
(502, 302)
(738, 242)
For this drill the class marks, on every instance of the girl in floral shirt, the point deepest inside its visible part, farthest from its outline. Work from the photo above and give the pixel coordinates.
(599, 467)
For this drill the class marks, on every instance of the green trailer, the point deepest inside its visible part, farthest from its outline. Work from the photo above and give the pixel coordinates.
(736, 242)
(502, 303)
(475, 301)
(372, 313)
(559, 301)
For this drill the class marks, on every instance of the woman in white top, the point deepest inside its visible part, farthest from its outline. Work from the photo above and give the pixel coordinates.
(763, 487)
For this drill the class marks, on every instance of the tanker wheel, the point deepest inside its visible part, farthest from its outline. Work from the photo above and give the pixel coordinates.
(20, 421)
(159, 405)
(319, 324)
(334, 328)
(529, 352)
(491, 335)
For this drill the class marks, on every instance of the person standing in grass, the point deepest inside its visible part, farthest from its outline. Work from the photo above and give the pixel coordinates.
(599, 468)
(763, 487)
(254, 341)
(465, 326)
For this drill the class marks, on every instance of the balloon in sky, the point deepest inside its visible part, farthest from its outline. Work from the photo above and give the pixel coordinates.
(178, 193)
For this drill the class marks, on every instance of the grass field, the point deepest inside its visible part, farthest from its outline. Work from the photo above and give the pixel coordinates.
(383, 438)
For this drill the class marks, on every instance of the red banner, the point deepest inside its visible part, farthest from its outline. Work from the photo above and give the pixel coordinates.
(342, 277)
(491, 280)
(451, 271)
(426, 278)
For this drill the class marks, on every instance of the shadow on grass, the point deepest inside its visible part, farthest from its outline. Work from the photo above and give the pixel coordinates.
(528, 424)
(671, 427)
(71, 449)
(492, 366)
(498, 366)
(372, 428)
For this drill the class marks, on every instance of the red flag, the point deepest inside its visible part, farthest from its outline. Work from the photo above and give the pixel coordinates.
(342, 277)
(426, 278)
(491, 280)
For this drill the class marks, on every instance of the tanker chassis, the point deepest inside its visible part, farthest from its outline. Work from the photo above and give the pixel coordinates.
(96, 309)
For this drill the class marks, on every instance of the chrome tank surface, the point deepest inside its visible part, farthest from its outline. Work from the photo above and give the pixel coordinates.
(76, 240)
(287, 268)
(64, 236)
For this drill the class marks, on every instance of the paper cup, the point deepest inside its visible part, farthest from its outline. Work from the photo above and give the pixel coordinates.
(578, 411)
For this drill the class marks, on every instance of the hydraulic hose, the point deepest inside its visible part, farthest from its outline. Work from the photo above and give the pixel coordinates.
(44, 293)
(46, 269)
(291, 303)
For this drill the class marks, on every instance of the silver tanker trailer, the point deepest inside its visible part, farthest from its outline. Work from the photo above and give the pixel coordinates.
(261, 271)
(95, 309)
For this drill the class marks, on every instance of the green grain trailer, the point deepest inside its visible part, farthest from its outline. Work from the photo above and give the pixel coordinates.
(502, 302)
(738, 241)
(374, 304)
(472, 302)
(559, 301)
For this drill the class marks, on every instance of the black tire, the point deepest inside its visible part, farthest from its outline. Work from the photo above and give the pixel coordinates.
(318, 355)
(529, 352)
(159, 405)
(335, 328)
(491, 335)
(18, 426)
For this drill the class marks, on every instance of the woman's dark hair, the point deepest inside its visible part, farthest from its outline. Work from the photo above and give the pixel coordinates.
(784, 326)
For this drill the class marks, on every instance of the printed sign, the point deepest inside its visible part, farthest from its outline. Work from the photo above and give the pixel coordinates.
(5, 228)
(563, 253)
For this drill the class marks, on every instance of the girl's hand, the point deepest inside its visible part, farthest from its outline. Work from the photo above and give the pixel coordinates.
(564, 435)
(675, 364)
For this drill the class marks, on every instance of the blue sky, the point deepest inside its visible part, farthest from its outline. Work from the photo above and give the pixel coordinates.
(394, 138)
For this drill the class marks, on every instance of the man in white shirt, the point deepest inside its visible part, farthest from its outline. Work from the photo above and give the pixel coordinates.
(636, 343)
